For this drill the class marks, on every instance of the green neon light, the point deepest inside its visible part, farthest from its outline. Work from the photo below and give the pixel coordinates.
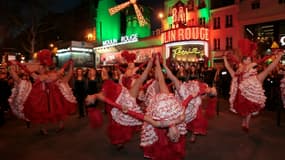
(107, 26)
(132, 23)
(202, 12)
(205, 12)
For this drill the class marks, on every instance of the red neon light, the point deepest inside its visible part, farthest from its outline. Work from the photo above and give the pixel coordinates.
(185, 34)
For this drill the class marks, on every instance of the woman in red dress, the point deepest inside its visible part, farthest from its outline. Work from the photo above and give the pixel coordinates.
(247, 94)
(167, 141)
(49, 98)
(122, 126)
(194, 118)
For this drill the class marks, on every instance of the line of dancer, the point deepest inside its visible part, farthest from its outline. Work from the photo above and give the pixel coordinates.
(162, 123)
(163, 114)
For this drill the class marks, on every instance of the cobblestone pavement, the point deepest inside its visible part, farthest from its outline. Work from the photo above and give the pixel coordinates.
(225, 140)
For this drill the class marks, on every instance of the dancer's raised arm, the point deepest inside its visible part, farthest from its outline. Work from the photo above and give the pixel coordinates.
(135, 88)
(261, 76)
(171, 76)
(228, 66)
(70, 72)
(140, 116)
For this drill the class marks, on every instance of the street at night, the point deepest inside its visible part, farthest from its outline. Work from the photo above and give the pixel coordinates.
(170, 79)
(225, 140)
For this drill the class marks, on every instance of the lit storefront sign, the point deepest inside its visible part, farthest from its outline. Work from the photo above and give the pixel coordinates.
(187, 50)
(282, 41)
(185, 34)
(123, 40)
(142, 55)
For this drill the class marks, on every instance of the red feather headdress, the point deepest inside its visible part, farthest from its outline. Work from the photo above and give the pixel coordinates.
(111, 89)
(129, 57)
(247, 47)
(45, 57)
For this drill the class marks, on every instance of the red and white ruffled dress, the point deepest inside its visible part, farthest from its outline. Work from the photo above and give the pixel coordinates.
(122, 126)
(195, 120)
(20, 94)
(246, 94)
(150, 91)
(154, 141)
(282, 88)
(42, 102)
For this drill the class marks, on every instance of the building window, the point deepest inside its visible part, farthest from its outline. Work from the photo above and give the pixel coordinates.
(229, 20)
(255, 4)
(216, 44)
(281, 1)
(217, 23)
(229, 43)
(191, 22)
(202, 21)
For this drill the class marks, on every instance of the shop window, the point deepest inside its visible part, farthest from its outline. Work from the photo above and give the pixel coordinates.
(255, 4)
(216, 44)
(191, 22)
(217, 23)
(229, 21)
(229, 43)
(202, 21)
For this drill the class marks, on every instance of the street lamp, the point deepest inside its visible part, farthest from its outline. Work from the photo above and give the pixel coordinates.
(160, 15)
(51, 45)
(89, 36)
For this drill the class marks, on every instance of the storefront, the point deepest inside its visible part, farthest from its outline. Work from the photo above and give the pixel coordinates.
(189, 44)
(81, 53)
(110, 53)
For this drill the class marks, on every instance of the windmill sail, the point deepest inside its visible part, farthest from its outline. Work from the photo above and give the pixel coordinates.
(122, 6)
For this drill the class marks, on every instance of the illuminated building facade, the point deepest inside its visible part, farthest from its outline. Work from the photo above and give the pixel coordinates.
(185, 34)
(225, 30)
(263, 24)
(193, 31)
(262, 21)
(81, 52)
(107, 27)
(132, 25)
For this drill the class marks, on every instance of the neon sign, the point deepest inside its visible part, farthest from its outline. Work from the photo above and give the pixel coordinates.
(182, 51)
(123, 40)
(185, 34)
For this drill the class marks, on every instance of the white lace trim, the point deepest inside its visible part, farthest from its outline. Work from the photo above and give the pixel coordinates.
(250, 88)
(125, 99)
(19, 95)
(233, 93)
(162, 107)
(186, 89)
(150, 92)
(282, 88)
(66, 91)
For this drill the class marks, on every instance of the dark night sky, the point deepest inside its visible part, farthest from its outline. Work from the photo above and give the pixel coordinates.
(11, 27)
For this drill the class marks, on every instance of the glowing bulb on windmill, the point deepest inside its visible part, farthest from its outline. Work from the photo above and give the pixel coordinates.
(122, 6)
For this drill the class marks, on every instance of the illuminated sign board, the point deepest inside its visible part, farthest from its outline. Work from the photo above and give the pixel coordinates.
(123, 40)
(185, 34)
(282, 41)
(189, 52)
